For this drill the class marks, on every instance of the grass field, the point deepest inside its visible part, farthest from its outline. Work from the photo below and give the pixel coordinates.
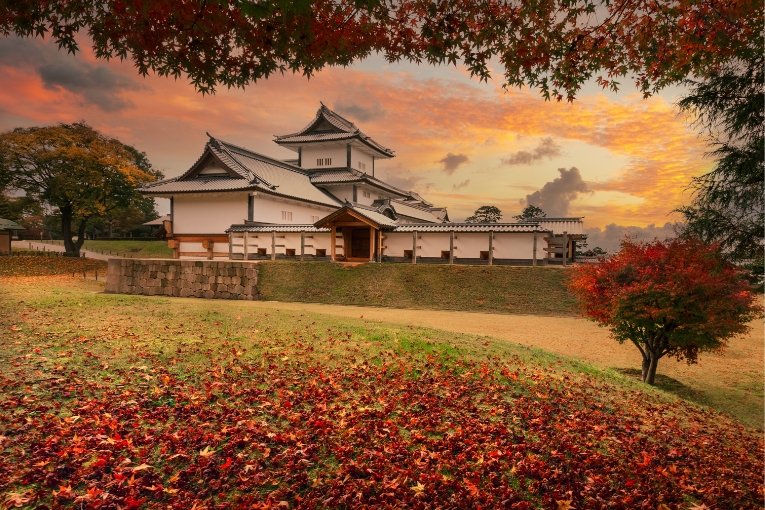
(138, 249)
(501, 289)
(130, 401)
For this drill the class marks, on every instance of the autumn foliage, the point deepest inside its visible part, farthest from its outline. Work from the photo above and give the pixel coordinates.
(205, 408)
(76, 172)
(675, 298)
(550, 45)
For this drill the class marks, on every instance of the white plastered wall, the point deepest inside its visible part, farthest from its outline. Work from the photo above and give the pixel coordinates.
(359, 156)
(338, 154)
(516, 245)
(208, 213)
(341, 192)
(507, 245)
(269, 209)
(285, 241)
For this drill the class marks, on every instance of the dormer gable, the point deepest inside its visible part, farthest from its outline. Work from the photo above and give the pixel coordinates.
(209, 166)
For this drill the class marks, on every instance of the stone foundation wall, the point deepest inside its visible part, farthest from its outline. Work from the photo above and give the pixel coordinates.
(183, 278)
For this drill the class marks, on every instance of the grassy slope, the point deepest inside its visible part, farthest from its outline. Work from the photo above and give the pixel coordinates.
(230, 404)
(501, 289)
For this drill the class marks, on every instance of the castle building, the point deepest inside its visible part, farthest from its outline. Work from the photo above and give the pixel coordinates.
(326, 203)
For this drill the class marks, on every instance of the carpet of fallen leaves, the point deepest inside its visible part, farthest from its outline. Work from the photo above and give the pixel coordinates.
(44, 265)
(105, 417)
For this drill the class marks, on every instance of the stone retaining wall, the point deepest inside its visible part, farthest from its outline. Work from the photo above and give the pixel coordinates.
(183, 278)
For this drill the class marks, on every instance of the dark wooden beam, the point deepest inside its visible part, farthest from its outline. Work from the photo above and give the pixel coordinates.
(451, 247)
(333, 240)
(371, 244)
(491, 247)
(414, 247)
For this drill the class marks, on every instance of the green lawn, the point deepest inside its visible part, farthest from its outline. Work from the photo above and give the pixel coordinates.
(134, 248)
(137, 401)
(501, 289)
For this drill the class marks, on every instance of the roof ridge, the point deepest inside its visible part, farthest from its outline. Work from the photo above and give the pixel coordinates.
(422, 208)
(325, 108)
(261, 156)
(220, 145)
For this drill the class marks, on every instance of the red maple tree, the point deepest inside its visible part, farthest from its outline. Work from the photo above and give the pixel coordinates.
(676, 298)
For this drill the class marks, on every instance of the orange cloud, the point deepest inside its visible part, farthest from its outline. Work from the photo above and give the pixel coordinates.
(641, 149)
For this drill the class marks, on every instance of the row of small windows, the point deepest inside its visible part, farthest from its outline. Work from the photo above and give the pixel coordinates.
(287, 216)
(323, 161)
(362, 165)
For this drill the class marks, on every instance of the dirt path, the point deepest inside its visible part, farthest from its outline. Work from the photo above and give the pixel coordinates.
(738, 371)
(38, 246)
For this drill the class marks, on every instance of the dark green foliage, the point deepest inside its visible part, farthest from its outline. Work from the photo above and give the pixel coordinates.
(729, 203)
(530, 212)
(485, 214)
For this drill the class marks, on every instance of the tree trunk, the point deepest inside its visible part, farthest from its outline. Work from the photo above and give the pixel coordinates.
(646, 367)
(651, 376)
(71, 249)
(81, 235)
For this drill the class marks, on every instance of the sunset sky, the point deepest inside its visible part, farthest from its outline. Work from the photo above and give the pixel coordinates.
(617, 159)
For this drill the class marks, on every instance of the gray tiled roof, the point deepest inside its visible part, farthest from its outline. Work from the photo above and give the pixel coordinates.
(404, 209)
(275, 228)
(256, 171)
(470, 227)
(345, 130)
(373, 215)
(537, 220)
(334, 176)
(284, 179)
(346, 175)
(9, 225)
(198, 184)
(412, 227)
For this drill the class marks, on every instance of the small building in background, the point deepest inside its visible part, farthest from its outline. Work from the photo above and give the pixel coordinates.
(7, 228)
(160, 227)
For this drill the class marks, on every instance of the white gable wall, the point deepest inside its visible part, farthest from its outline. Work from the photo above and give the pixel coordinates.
(208, 213)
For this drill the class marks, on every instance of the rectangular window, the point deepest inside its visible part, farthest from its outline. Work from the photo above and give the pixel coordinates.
(321, 252)
(484, 255)
(408, 254)
(367, 194)
(314, 219)
(286, 215)
(290, 252)
(261, 251)
(323, 161)
(445, 254)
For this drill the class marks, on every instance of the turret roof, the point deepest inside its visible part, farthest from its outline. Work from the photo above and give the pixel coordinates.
(329, 126)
